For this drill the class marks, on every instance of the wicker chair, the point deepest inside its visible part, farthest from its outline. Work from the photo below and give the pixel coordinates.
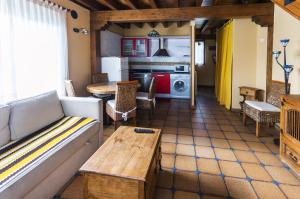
(146, 101)
(70, 88)
(265, 112)
(99, 78)
(124, 105)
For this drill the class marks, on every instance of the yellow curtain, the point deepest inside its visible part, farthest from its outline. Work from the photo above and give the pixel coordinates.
(224, 65)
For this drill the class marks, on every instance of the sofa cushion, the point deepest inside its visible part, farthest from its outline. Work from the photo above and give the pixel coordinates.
(18, 158)
(32, 114)
(4, 129)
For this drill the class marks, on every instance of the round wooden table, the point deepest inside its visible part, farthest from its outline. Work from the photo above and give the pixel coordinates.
(107, 88)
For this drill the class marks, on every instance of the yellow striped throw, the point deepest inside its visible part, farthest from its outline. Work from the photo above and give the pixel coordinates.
(18, 156)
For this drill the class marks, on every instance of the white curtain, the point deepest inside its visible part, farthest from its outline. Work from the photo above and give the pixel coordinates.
(33, 49)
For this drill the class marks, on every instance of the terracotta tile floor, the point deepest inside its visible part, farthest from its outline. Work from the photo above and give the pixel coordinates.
(208, 153)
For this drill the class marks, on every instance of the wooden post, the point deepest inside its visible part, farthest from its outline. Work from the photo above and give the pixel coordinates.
(95, 51)
(269, 59)
(193, 71)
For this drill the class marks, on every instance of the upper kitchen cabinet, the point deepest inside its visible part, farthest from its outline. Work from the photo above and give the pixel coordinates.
(135, 47)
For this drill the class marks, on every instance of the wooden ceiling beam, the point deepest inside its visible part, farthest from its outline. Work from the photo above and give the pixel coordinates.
(166, 24)
(181, 23)
(205, 36)
(88, 4)
(139, 25)
(108, 4)
(128, 3)
(263, 21)
(293, 7)
(153, 24)
(150, 3)
(182, 14)
(198, 2)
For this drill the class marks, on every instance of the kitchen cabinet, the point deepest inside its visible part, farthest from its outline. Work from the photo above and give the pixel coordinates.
(135, 47)
(162, 82)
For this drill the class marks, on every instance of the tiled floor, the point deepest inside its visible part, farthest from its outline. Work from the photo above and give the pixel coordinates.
(208, 153)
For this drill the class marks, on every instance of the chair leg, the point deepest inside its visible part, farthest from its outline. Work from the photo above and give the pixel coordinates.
(116, 124)
(244, 118)
(258, 124)
(149, 114)
(134, 121)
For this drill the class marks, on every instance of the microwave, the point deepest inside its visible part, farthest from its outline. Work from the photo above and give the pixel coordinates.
(183, 68)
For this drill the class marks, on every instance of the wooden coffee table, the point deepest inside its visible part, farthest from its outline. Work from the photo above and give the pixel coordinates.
(125, 166)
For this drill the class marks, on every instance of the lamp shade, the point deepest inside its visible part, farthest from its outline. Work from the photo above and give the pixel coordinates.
(153, 33)
(284, 42)
(288, 68)
(276, 54)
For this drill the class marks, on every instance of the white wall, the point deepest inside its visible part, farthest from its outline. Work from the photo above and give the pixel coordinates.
(261, 60)
(206, 72)
(286, 26)
(110, 44)
(249, 57)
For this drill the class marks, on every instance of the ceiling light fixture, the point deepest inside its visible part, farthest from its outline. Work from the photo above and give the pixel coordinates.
(153, 33)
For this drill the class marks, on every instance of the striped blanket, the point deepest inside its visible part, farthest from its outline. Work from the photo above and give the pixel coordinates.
(15, 158)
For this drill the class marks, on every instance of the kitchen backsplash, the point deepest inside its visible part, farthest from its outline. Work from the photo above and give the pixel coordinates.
(160, 59)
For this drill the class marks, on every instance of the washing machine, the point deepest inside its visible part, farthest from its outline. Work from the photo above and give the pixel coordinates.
(180, 85)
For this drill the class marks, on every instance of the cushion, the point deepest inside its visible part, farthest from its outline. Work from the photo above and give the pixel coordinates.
(111, 103)
(47, 158)
(4, 128)
(32, 114)
(263, 106)
(142, 96)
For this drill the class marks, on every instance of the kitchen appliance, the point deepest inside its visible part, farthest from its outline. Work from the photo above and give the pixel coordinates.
(162, 83)
(117, 68)
(144, 78)
(184, 68)
(161, 52)
(180, 85)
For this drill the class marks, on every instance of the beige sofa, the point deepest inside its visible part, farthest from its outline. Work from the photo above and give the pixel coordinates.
(44, 176)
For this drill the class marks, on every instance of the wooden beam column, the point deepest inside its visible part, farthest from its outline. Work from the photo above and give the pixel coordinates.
(193, 69)
(269, 59)
(95, 51)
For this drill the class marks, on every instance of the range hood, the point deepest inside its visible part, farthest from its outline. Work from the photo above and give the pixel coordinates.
(161, 52)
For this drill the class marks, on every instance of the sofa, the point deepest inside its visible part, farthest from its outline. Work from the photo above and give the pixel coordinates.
(43, 142)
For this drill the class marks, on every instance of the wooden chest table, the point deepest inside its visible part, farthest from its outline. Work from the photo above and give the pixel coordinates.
(126, 166)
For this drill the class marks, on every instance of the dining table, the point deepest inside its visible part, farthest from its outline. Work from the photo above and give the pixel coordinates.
(105, 88)
(102, 90)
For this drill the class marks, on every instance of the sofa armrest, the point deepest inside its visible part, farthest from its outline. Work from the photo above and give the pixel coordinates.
(83, 106)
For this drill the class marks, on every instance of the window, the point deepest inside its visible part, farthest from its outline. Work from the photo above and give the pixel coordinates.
(199, 53)
(33, 49)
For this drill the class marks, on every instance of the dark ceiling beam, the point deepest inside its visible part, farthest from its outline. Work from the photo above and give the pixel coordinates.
(150, 3)
(263, 21)
(108, 4)
(139, 25)
(89, 4)
(203, 25)
(181, 23)
(207, 25)
(200, 36)
(209, 22)
(166, 24)
(198, 2)
(182, 14)
(128, 3)
(153, 24)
